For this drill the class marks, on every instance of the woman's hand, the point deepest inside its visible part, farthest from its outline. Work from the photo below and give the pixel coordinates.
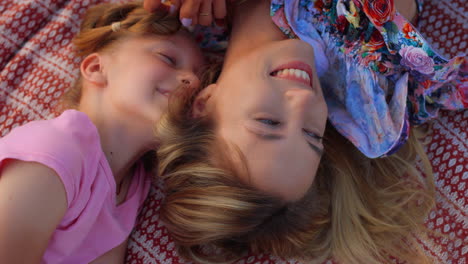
(192, 12)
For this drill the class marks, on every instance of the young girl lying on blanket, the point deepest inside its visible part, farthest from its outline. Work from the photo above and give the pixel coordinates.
(71, 187)
(252, 166)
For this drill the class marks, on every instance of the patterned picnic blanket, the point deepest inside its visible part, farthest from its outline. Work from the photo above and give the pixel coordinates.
(37, 64)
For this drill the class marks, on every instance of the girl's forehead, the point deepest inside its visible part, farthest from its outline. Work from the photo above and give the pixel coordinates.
(180, 37)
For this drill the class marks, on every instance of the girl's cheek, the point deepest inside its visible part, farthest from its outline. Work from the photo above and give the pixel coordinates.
(158, 65)
(153, 68)
(160, 74)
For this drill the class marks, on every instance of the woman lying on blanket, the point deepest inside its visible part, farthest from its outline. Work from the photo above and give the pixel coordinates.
(249, 163)
(71, 187)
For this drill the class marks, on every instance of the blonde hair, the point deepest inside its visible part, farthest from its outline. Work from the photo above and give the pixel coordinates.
(358, 210)
(106, 24)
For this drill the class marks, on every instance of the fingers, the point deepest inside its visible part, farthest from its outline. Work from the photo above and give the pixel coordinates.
(167, 5)
(151, 5)
(189, 12)
(174, 5)
(219, 9)
(201, 12)
(205, 15)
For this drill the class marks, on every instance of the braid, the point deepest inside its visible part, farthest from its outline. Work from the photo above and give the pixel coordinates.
(105, 14)
(96, 30)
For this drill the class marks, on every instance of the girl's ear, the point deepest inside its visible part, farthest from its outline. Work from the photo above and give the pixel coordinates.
(92, 69)
(201, 101)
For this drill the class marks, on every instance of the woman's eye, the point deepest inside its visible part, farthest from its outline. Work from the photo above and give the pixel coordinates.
(313, 135)
(269, 122)
(168, 59)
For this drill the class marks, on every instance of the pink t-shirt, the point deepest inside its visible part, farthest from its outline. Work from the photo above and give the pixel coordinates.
(93, 224)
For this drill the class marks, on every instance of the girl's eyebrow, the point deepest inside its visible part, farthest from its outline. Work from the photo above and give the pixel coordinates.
(168, 41)
(273, 136)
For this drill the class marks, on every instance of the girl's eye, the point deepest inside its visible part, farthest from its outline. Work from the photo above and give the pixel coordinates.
(168, 59)
(269, 122)
(313, 135)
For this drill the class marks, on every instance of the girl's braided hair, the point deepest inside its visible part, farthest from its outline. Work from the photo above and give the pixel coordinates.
(105, 25)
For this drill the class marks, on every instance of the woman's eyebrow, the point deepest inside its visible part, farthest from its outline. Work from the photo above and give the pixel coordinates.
(273, 136)
(266, 136)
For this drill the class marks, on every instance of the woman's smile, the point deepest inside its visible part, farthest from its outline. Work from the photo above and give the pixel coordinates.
(295, 71)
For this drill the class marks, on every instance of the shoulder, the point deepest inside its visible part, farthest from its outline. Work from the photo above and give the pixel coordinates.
(70, 124)
(71, 132)
(32, 203)
(62, 144)
(31, 180)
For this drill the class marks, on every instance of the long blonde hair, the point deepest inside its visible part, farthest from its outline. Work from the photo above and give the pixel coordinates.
(105, 25)
(358, 210)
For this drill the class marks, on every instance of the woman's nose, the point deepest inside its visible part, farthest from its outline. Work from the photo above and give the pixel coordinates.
(190, 79)
(299, 98)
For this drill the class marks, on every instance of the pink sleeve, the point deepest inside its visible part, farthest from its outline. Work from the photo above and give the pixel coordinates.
(41, 142)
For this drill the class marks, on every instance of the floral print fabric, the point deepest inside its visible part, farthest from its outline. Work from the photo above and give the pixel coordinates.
(377, 72)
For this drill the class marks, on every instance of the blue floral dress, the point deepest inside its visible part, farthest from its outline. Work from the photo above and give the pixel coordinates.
(378, 74)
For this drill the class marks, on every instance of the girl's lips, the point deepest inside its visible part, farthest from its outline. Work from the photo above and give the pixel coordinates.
(163, 92)
(289, 71)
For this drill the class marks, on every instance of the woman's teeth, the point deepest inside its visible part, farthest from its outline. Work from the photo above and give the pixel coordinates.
(292, 73)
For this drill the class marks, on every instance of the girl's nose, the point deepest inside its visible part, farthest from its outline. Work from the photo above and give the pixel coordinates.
(189, 79)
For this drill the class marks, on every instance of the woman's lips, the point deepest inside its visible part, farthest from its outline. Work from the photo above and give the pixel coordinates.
(294, 71)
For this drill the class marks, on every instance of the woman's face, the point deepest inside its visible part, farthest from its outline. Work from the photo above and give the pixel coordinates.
(269, 105)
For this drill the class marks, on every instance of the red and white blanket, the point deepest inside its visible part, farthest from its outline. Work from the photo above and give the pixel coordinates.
(37, 65)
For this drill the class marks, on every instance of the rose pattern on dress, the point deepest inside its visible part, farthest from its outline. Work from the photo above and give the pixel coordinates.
(368, 42)
(375, 42)
(416, 59)
(379, 11)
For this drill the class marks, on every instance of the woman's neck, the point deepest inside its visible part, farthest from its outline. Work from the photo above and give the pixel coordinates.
(252, 27)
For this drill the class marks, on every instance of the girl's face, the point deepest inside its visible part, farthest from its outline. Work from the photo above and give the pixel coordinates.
(142, 71)
(269, 104)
